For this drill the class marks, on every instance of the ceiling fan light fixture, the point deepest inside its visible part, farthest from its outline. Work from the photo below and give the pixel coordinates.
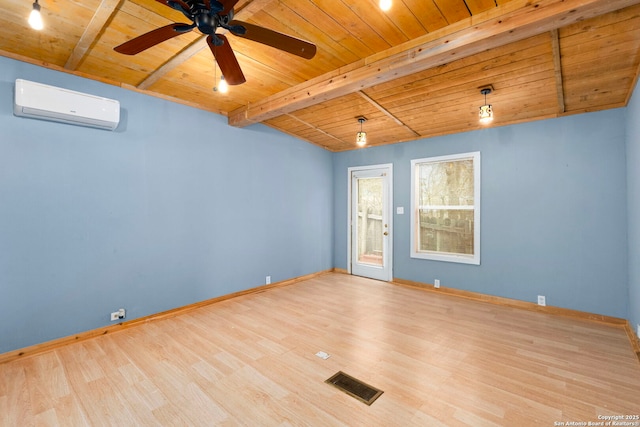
(486, 110)
(385, 5)
(361, 137)
(35, 17)
(223, 87)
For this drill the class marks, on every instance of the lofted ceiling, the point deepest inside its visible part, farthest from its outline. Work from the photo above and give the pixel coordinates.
(414, 72)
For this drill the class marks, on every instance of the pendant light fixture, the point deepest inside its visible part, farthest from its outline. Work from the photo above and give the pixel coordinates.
(361, 137)
(385, 5)
(35, 18)
(486, 111)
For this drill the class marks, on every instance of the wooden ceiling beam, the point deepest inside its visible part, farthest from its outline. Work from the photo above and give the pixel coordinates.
(387, 113)
(100, 18)
(557, 69)
(510, 22)
(192, 49)
(316, 128)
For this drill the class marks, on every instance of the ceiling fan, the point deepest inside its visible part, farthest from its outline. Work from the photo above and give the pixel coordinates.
(208, 16)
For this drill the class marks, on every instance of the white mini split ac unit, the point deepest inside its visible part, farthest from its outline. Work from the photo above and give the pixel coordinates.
(40, 101)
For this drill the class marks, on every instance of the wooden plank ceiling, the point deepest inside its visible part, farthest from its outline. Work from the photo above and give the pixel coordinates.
(413, 72)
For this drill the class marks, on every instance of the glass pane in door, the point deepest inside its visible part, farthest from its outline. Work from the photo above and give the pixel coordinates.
(370, 226)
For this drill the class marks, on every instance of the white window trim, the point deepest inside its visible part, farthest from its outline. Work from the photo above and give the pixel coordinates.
(439, 256)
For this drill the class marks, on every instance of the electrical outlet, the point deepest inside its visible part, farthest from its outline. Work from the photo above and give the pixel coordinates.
(267, 280)
(118, 315)
(542, 300)
(436, 283)
(638, 330)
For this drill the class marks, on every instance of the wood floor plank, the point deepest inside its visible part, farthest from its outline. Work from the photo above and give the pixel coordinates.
(440, 360)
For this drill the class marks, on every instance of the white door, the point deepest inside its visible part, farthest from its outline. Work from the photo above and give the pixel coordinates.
(370, 238)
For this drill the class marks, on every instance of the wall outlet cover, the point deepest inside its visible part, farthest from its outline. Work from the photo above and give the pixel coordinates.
(542, 300)
(323, 355)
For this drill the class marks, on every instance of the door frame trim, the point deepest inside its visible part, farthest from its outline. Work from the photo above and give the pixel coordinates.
(350, 171)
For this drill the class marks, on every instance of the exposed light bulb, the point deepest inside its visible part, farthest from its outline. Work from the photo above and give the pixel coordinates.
(385, 5)
(35, 18)
(224, 87)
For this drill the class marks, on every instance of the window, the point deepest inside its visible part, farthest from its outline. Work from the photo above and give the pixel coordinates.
(445, 208)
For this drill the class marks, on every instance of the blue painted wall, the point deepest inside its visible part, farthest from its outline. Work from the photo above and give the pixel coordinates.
(177, 207)
(554, 211)
(173, 208)
(633, 187)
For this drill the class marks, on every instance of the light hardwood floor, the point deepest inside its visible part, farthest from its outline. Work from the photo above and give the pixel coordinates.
(440, 360)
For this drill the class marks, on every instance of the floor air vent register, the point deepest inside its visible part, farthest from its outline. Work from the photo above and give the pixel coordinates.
(355, 388)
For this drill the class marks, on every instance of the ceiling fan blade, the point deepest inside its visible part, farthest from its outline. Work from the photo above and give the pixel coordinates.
(226, 60)
(152, 38)
(179, 5)
(298, 47)
(228, 5)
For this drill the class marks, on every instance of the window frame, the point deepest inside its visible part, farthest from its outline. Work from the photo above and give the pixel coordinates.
(415, 226)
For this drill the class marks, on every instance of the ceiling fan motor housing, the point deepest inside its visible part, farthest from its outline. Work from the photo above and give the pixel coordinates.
(206, 23)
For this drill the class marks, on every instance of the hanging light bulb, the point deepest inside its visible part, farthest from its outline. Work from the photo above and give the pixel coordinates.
(35, 18)
(361, 137)
(223, 87)
(385, 5)
(486, 111)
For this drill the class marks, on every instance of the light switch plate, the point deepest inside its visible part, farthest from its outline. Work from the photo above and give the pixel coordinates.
(400, 210)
